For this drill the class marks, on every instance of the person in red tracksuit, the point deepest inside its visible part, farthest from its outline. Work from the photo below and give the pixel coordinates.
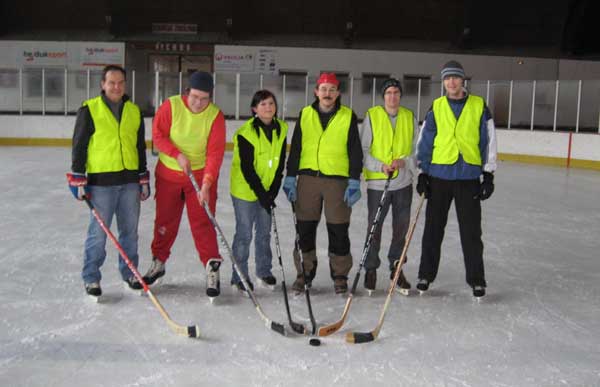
(189, 132)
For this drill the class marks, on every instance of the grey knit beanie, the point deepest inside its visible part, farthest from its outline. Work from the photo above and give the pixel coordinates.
(453, 68)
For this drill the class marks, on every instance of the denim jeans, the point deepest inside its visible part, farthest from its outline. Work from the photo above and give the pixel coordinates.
(247, 215)
(124, 202)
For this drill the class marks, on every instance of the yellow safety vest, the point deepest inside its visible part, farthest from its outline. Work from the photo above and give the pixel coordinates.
(457, 136)
(266, 158)
(189, 133)
(389, 143)
(325, 151)
(113, 146)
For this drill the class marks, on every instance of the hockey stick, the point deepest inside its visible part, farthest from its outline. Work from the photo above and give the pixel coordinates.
(297, 327)
(306, 285)
(190, 331)
(365, 337)
(279, 328)
(334, 327)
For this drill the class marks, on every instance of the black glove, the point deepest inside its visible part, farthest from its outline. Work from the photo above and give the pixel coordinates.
(486, 188)
(423, 185)
(265, 201)
(273, 192)
(272, 197)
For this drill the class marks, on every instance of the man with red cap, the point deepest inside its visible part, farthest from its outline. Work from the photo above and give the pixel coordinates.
(189, 132)
(323, 172)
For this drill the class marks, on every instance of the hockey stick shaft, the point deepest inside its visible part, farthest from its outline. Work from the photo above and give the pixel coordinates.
(306, 285)
(359, 337)
(334, 327)
(277, 327)
(297, 327)
(190, 331)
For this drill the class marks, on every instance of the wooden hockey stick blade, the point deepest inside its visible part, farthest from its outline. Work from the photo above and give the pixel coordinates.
(360, 337)
(192, 331)
(327, 330)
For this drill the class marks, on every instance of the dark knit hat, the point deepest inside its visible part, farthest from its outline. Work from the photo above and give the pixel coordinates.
(201, 80)
(453, 68)
(390, 82)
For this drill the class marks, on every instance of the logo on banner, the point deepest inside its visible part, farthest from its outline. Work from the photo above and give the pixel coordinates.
(31, 56)
(234, 62)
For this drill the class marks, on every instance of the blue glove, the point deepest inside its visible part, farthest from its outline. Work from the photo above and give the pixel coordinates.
(289, 187)
(352, 193)
(78, 185)
(145, 190)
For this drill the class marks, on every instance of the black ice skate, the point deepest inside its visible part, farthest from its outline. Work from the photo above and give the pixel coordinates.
(422, 285)
(155, 272)
(94, 291)
(132, 283)
(298, 285)
(340, 285)
(268, 282)
(478, 292)
(240, 288)
(213, 283)
(370, 280)
(402, 286)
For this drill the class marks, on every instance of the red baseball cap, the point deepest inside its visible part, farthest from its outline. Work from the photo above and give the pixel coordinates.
(328, 78)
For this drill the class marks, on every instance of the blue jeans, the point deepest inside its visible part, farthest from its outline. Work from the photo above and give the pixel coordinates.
(247, 215)
(124, 202)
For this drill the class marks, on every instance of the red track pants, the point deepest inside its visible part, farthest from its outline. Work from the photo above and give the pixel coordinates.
(170, 199)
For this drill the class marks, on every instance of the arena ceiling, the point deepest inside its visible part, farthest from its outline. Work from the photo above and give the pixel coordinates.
(527, 28)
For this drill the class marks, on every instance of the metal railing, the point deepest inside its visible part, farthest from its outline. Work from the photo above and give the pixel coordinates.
(533, 105)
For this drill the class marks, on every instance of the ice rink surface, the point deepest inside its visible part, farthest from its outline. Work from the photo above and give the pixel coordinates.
(538, 326)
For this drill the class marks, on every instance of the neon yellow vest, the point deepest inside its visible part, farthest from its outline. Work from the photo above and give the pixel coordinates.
(454, 137)
(113, 146)
(389, 143)
(325, 151)
(189, 133)
(266, 159)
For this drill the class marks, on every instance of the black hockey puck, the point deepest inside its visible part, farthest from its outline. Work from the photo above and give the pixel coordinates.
(314, 342)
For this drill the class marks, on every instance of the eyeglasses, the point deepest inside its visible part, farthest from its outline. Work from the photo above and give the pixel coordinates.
(327, 89)
(199, 99)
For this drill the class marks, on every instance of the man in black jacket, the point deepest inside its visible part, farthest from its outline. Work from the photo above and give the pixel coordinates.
(323, 172)
(109, 167)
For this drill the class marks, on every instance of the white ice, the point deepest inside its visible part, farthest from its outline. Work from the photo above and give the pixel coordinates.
(538, 326)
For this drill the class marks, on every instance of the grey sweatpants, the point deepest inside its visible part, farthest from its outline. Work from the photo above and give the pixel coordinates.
(400, 201)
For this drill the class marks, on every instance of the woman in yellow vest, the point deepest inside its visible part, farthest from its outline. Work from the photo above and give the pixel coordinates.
(256, 173)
